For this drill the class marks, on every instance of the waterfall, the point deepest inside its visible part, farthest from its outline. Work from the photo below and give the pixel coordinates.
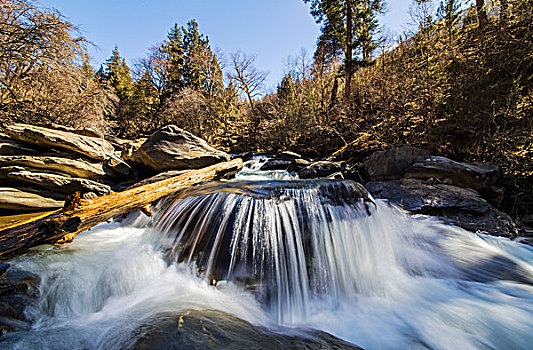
(286, 255)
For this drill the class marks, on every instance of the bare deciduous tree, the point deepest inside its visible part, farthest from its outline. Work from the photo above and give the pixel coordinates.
(247, 78)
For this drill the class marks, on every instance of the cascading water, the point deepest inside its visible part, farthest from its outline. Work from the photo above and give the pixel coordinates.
(297, 254)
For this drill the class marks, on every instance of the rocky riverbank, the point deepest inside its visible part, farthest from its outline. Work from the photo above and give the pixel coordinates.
(40, 167)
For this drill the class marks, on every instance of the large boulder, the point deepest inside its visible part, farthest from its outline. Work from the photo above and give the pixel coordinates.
(171, 148)
(91, 147)
(53, 182)
(461, 206)
(392, 164)
(208, 329)
(475, 176)
(71, 167)
(19, 200)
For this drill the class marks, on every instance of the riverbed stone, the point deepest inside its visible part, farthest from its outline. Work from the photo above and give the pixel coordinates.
(209, 329)
(461, 206)
(172, 148)
(91, 147)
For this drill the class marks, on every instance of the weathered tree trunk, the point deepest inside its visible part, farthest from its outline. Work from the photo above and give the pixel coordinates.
(481, 13)
(80, 215)
(348, 64)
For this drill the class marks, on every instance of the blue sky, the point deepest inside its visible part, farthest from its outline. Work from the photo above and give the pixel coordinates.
(270, 29)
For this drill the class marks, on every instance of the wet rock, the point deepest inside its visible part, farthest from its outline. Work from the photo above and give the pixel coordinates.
(319, 169)
(171, 148)
(218, 330)
(71, 167)
(276, 164)
(16, 199)
(18, 290)
(460, 206)
(392, 164)
(475, 176)
(91, 147)
(56, 182)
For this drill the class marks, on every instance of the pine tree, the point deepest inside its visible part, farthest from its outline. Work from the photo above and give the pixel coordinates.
(348, 26)
(116, 74)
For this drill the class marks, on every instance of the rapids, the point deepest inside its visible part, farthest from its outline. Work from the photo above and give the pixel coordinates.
(289, 256)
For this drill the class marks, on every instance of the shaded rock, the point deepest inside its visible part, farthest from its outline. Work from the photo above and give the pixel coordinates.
(460, 206)
(57, 182)
(477, 177)
(71, 167)
(129, 150)
(10, 147)
(15, 199)
(276, 164)
(287, 155)
(92, 147)
(319, 169)
(392, 164)
(18, 290)
(298, 164)
(218, 330)
(116, 167)
(171, 148)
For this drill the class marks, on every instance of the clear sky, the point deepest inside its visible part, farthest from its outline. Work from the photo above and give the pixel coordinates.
(270, 29)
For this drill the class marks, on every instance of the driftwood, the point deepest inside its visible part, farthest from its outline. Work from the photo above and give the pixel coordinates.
(79, 215)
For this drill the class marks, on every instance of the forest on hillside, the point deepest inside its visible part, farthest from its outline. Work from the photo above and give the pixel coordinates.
(459, 85)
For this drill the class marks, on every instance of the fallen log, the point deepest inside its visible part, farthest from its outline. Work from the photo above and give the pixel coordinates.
(79, 215)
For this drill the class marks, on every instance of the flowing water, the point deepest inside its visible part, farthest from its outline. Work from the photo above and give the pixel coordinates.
(286, 255)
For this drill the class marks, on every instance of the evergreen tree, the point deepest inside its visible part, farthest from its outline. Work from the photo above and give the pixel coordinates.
(116, 74)
(348, 26)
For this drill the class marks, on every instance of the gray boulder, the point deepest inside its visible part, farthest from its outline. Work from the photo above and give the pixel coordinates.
(91, 147)
(460, 206)
(392, 164)
(17, 199)
(171, 148)
(71, 167)
(319, 169)
(475, 176)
